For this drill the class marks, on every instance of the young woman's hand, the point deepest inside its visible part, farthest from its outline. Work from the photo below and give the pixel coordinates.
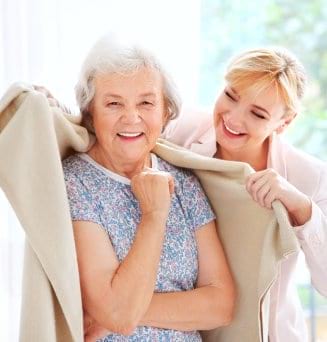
(267, 185)
(53, 102)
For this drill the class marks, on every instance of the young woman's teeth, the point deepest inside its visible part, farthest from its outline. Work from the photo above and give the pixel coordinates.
(130, 135)
(231, 131)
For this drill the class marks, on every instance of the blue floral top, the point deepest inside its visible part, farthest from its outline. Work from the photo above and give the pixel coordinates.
(101, 196)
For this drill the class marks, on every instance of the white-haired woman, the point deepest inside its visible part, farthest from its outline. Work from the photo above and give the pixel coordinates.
(262, 95)
(150, 262)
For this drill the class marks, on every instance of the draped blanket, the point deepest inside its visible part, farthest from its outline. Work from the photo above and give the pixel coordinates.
(34, 137)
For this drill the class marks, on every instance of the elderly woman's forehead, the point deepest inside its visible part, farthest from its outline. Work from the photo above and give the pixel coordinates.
(145, 78)
(142, 71)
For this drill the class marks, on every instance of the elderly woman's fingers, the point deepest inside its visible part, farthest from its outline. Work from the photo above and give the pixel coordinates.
(171, 182)
(153, 188)
(92, 330)
(87, 322)
(95, 334)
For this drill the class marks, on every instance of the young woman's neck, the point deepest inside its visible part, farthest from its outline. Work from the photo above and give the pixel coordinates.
(257, 158)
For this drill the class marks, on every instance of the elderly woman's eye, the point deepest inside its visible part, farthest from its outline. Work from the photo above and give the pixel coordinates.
(113, 104)
(146, 103)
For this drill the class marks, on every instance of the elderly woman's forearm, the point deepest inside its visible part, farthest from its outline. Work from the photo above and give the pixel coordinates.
(204, 308)
(124, 299)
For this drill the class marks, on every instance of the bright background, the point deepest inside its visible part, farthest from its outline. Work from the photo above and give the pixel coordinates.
(44, 42)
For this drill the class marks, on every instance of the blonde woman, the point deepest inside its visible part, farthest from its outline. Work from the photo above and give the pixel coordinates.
(261, 97)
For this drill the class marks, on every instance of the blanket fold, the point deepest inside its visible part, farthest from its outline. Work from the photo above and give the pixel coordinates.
(34, 137)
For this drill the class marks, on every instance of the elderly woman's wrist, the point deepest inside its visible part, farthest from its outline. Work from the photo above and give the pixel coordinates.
(155, 217)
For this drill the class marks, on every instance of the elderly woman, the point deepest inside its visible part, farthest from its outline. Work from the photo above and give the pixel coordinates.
(151, 265)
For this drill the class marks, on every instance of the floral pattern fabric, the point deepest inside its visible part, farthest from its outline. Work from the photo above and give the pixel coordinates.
(101, 196)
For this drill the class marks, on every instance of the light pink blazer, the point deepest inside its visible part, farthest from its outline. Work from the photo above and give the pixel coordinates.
(194, 130)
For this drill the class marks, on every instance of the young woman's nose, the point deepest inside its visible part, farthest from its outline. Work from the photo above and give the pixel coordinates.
(235, 117)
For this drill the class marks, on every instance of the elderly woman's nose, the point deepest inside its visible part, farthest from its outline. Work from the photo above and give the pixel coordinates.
(131, 116)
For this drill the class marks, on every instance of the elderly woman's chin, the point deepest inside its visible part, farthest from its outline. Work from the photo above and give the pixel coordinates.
(123, 154)
(136, 150)
(139, 144)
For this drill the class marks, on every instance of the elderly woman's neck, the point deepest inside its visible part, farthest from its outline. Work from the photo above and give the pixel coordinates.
(119, 166)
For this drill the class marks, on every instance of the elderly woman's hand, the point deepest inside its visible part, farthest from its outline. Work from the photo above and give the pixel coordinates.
(92, 330)
(153, 190)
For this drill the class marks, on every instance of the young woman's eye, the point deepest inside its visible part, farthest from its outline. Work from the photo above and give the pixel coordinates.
(258, 115)
(229, 95)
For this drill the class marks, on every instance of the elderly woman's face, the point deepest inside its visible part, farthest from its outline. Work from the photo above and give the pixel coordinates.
(128, 114)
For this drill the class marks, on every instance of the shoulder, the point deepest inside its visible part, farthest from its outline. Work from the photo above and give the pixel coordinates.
(185, 179)
(297, 158)
(80, 175)
(189, 195)
(73, 164)
(189, 127)
(303, 170)
(177, 172)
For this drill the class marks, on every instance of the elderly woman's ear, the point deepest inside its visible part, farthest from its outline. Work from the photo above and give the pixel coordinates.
(87, 121)
(166, 119)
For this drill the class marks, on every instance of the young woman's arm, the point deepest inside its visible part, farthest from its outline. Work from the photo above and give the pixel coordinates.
(308, 215)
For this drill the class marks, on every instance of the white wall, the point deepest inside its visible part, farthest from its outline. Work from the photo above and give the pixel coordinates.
(46, 41)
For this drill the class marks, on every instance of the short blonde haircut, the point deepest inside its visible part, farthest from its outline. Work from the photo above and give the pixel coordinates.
(261, 68)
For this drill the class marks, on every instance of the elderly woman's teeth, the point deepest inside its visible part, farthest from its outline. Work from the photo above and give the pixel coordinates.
(130, 135)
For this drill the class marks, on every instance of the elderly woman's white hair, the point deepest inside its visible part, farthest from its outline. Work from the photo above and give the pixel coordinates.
(113, 55)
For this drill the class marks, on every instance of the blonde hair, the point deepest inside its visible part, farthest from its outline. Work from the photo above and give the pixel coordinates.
(262, 68)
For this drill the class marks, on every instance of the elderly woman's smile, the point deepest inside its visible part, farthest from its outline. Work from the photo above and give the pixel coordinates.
(130, 135)
(128, 114)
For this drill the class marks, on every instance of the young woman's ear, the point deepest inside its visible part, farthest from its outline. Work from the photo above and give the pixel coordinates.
(286, 121)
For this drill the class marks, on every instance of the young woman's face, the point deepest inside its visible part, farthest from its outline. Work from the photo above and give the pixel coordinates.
(244, 120)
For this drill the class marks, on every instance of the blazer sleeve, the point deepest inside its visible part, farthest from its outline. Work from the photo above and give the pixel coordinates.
(313, 236)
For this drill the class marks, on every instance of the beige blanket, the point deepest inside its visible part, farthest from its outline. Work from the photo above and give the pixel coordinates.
(34, 138)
